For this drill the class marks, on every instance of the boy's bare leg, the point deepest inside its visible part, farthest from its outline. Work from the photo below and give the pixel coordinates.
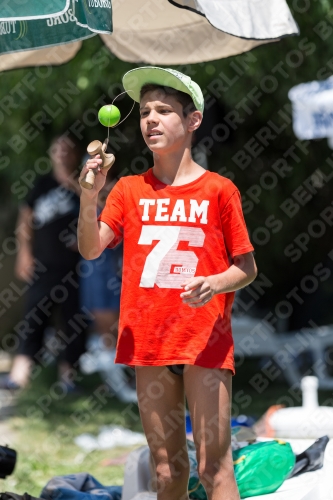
(208, 393)
(162, 409)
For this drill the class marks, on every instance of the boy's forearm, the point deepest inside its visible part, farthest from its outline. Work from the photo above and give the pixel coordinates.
(231, 280)
(242, 272)
(88, 231)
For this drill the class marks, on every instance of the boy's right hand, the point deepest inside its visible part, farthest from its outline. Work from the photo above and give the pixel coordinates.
(100, 176)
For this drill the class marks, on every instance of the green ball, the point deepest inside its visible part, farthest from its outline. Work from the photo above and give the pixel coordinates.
(109, 115)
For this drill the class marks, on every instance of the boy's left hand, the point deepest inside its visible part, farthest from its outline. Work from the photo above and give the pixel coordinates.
(198, 291)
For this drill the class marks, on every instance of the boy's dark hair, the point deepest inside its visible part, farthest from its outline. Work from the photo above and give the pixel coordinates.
(184, 99)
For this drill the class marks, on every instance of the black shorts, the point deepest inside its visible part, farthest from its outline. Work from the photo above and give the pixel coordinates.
(176, 369)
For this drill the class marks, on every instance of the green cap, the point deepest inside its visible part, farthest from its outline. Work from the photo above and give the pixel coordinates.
(134, 80)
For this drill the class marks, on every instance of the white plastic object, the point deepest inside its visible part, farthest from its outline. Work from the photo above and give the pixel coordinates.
(137, 476)
(307, 421)
(309, 386)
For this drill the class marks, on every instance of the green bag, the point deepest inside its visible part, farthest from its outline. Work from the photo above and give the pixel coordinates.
(260, 468)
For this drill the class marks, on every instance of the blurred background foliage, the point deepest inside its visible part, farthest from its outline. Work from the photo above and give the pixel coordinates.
(75, 91)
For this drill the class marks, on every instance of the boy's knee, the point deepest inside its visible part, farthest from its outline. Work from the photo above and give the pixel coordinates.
(211, 473)
(170, 471)
(167, 474)
(207, 472)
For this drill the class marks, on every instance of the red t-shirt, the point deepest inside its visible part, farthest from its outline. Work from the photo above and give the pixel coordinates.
(172, 233)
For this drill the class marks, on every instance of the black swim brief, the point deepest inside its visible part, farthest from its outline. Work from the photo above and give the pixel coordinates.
(176, 369)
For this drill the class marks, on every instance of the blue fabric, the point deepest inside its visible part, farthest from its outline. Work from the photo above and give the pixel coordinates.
(101, 281)
(79, 486)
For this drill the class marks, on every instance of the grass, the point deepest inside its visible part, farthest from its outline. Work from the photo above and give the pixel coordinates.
(46, 423)
(45, 426)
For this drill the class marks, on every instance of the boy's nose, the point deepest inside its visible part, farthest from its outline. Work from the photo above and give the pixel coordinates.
(152, 117)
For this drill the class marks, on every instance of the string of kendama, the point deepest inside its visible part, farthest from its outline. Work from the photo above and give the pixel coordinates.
(109, 116)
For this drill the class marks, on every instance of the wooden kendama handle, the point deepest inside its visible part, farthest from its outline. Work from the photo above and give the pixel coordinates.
(97, 148)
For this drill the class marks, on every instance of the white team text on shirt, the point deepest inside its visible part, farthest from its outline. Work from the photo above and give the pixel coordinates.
(178, 213)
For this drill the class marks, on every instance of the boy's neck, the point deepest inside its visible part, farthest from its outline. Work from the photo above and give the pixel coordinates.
(176, 169)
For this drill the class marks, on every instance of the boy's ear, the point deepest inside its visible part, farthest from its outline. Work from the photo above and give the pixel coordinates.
(195, 120)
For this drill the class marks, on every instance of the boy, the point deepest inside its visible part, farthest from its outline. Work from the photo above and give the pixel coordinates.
(186, 250)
